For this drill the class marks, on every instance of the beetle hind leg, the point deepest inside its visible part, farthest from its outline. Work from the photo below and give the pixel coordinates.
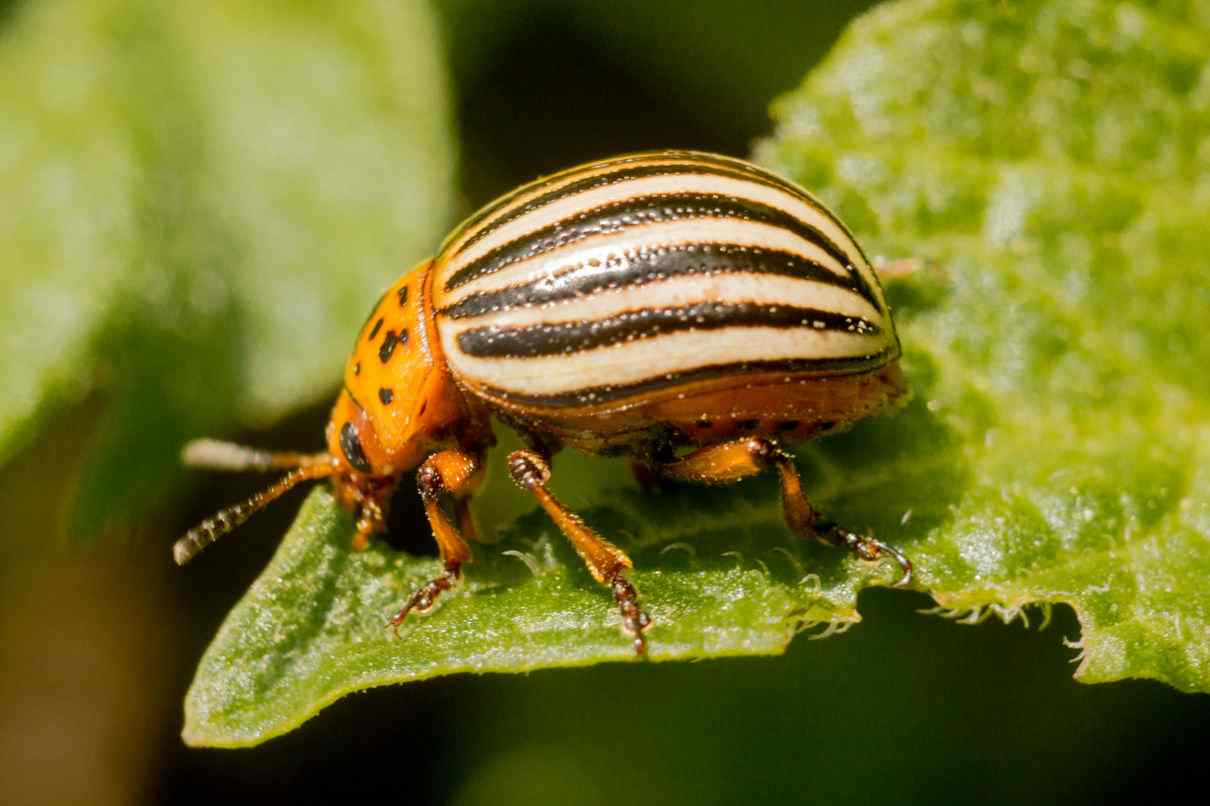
(731, 461)
(606, 562)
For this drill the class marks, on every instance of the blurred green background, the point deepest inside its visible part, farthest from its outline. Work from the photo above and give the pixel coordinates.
(100, 641)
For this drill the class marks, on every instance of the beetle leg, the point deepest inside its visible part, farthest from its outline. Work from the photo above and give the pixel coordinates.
(370, 499)
(467, 487)
(456, 473)
(464, 518)
(371, 519)
(606, 562)
(748, 456)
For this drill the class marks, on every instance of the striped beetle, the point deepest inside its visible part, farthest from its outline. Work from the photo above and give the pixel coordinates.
(639, 305)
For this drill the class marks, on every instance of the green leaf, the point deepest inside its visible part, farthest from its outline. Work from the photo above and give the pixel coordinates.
(312, 628)
(1045, 160)
(67, 162)
(205, 199)
(1050, 160)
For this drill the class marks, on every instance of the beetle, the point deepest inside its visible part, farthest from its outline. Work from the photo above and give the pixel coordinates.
(691, 311)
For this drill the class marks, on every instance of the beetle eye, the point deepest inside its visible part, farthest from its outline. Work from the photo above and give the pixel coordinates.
(350, 444)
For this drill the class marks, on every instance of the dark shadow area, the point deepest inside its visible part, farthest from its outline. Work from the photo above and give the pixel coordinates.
(8, 12)
(550, 97)
(547, 84)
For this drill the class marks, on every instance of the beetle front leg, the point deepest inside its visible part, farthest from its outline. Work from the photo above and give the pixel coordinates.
(748, 456)
(606, 562)
(458, 474)
(371, 519)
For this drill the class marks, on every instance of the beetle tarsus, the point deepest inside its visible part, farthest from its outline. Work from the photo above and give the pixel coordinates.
(423, 599)
(635, 620)
(867, 548)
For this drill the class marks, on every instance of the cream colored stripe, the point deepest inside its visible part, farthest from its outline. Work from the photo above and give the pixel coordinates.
(601, 248)
(546, 184)
(649, 358)
(761, 289)
(680, 183)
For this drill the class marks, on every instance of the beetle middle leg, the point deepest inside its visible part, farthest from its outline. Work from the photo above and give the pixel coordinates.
(606, 562)
(731, 461)
(458, 474)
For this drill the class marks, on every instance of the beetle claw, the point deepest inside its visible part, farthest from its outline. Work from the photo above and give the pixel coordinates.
(904, 563)
(423, 599)
(867, 548)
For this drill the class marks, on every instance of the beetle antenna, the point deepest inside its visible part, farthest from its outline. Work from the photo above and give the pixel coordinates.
(226, 520)
(214, 454)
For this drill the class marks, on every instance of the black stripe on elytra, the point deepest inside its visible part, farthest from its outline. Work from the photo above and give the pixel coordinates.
(595, 395)
(501, 202)
(695, 166)
(643, 210)
(766, 177)
(640, 267)
(561, 338)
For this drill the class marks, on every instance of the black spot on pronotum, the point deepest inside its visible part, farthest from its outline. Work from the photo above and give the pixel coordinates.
(374, 332)
(705, 423)
(748, 425)
(388, 346)
(787, 425)
(356, 369)
(351, 446)
(386, 396)
(403, 295)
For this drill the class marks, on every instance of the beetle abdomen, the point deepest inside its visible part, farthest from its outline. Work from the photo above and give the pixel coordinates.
(631, 278)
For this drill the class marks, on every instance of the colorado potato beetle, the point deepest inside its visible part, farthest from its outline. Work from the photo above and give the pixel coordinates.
(691, 311)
